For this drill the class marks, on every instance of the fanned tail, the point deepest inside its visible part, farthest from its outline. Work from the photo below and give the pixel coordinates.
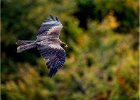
(24, 45)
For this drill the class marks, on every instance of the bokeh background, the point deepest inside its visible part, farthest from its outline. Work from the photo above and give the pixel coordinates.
(102, 58)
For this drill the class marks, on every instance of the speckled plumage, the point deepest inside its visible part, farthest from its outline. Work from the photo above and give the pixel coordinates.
(48, 44)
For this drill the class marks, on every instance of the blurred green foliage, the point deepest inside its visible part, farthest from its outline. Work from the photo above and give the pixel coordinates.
(102, 58)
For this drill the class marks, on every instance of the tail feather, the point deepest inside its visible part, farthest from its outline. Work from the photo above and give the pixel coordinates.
(23, 42)
(25, 45)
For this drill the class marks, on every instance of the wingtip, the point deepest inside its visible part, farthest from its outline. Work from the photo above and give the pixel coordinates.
(50, 75)
(56, 19)
(52, 72)
(52, 17)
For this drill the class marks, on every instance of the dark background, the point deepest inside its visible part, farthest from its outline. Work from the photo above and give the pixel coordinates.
(102, 58)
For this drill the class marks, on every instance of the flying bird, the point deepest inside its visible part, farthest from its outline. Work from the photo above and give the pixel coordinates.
(48, 44)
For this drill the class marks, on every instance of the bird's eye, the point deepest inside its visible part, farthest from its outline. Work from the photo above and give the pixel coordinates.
(62, 45)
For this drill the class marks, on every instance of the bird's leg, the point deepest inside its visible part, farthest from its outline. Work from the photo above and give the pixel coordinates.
(63, 44)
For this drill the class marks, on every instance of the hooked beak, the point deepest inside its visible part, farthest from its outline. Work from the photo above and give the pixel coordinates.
(66, 46)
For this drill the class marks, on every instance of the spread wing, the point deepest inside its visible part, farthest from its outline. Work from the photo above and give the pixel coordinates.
(51, 27)
(55, 57)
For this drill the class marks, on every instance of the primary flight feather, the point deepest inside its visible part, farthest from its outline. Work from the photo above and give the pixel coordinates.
(48, 44)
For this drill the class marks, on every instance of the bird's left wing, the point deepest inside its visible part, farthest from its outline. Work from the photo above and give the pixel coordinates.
(50, 27)
(55, 57)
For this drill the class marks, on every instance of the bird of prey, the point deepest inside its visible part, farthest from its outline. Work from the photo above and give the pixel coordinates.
(48, 44)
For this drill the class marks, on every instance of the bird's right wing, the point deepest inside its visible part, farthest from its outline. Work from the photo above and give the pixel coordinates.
(55, 57)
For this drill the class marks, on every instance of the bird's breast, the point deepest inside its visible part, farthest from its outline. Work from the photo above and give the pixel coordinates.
(45, 43)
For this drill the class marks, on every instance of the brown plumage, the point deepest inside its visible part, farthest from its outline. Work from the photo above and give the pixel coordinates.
(48, 44)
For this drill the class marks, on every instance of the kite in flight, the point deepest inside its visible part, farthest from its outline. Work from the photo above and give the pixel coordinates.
(48, 44)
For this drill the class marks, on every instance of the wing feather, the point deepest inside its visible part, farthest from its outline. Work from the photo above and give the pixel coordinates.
(51, 26)
(54, 56)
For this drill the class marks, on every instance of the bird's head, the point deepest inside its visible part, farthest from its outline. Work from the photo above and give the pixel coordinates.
(64, 45)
